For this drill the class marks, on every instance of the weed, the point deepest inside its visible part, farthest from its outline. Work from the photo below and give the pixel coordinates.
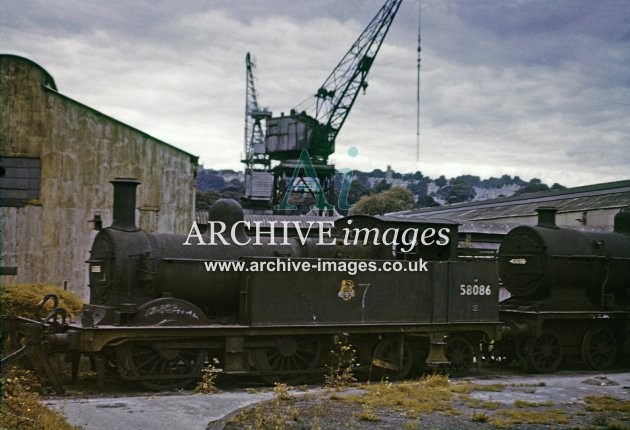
(488, 387)
(315, 420)
(281, 392)
(435, 380)
(617, 425)
(272, 415)
(600, 420)
(526, 404)
(342, 361)
(508, 418)
(606, 404)
(431, 394)
(21, 407)
(482, 404)
(534, 384)
(208, 376)
(368, 414)
(479, 417)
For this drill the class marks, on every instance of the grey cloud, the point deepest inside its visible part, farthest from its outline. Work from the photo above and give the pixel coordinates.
(497, 77)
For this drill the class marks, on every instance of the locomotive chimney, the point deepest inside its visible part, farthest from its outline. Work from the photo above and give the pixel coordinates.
(622, 221)
(547, 216)
(125, 204)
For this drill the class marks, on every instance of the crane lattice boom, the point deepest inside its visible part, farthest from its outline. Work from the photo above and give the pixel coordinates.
(337, 94)
(254, 136)
(317, 130)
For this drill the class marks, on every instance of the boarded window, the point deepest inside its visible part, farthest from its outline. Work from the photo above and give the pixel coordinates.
(19, 180)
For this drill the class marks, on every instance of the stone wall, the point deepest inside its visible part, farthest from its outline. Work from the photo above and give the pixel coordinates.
(81, 150)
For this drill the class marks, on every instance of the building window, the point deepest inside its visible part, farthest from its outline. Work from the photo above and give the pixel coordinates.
(19, 180)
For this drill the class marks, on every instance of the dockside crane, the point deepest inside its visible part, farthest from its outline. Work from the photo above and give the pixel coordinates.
(258, 179)
(315, 123)
(336, 96)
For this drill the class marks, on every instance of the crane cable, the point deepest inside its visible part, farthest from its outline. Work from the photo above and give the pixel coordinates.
(418, 85)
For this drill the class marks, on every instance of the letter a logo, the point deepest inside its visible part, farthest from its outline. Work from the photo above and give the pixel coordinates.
(305, 164)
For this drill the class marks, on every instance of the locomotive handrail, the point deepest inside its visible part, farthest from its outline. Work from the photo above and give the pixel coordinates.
(41, 304)
(13, 357)
(568, 256)
(53, 316)
(579, 257)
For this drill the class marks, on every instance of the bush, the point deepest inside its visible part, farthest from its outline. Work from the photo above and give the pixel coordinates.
(20, 407)
(22, 299)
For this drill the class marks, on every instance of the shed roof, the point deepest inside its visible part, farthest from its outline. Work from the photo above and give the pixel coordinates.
(609, 195)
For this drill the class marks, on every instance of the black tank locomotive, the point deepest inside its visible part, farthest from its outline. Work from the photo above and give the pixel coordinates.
(570, 292)
(156, 314)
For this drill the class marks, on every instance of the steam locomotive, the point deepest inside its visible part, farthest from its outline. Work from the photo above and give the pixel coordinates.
(159, 307)
(570, 293)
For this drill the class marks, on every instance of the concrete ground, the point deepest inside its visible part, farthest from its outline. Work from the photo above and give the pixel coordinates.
(155, 412)
(196, 411)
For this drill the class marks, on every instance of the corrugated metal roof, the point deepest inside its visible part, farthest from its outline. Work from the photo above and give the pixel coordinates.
(303, 220)
(201, 217)
(499, 228)
(602, 196)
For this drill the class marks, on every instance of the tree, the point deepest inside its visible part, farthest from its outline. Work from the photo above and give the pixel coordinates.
(205, 199)
(209, 179)
(381, 186)
(468, 179)
(459, 191)
(441, 181)
(533, 186)
(393, 200)
(557, 186)
(377, 173)
(426, 202)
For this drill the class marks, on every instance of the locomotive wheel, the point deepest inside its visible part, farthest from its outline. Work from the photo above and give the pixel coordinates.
(543, 353)
(287, 358)
(599, 348)
(159, 369)
(387, 358)
(460, 353)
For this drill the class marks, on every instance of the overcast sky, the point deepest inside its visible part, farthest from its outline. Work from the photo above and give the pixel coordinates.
(536, 88)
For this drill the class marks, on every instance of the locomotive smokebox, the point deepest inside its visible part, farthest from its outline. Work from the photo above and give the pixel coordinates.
(544, 260)
(547, 217)
(125, 204)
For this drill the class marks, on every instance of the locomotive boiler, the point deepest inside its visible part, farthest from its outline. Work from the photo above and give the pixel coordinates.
(570, 292)
(129, 267)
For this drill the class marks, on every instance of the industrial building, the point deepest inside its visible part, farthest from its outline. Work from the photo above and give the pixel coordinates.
(593, 206)
(57, 158)
(484, 223)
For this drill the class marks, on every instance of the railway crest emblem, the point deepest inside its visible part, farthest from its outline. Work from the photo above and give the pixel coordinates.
(346, 292)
